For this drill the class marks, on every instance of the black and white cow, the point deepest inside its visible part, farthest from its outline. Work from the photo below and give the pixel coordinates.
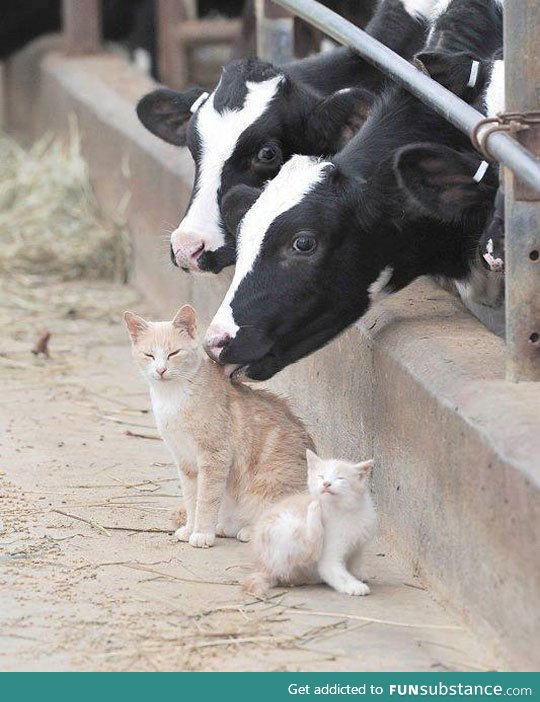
(259, 116)
(326, 238)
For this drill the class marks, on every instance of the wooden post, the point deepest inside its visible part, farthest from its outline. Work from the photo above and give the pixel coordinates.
(275, 32)
(172, 68)
(522, 80)
(82, 26)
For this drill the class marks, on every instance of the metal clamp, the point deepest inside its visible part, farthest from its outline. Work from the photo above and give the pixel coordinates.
(510, 122)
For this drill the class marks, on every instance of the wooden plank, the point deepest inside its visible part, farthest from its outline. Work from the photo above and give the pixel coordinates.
(82, 25)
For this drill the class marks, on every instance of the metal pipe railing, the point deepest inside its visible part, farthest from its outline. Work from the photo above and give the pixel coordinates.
(453, 109)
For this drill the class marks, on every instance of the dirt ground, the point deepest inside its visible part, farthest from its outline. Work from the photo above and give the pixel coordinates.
(90, 576)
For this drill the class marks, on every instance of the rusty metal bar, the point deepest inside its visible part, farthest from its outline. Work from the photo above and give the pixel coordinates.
(275, 32)
(82, 26)
(522, 207)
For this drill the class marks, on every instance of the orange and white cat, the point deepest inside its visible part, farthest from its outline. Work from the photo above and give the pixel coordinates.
(318, 535)
(238, 450)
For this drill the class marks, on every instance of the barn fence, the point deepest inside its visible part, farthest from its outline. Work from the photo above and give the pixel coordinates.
(519, 154)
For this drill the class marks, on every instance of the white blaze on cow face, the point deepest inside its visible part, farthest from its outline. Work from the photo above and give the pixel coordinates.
(495, 97)
(295, 180)
(218, 133)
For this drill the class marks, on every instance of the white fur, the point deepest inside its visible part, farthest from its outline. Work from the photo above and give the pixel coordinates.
(301, 541)
(376, 289)
(295, 180)
(219, 134)
(423, 9)
(495, 94)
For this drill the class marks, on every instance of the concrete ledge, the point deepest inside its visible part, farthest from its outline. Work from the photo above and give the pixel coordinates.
(419, 382)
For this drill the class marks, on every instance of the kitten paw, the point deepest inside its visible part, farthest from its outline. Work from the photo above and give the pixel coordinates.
(200, 539)
(357, 588)
(244, 534)
(183, 533)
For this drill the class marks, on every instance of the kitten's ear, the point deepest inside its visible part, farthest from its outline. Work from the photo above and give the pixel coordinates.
(364, 468)
(186, 318)
(135, 325)
(313, 461)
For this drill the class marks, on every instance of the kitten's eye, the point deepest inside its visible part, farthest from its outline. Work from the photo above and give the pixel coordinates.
(149, 355)
(174, 353)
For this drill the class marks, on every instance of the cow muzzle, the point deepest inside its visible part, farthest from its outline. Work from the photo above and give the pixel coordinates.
(186, 250)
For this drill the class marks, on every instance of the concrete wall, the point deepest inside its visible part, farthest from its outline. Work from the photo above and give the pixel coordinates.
(418, 383)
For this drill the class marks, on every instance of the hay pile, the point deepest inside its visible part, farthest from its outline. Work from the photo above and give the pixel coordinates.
(49, 221)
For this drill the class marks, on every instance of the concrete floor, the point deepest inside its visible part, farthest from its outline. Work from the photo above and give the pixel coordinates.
(116, 592)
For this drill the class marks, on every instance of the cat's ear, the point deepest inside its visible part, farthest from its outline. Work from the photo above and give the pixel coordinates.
(186, 318)
(364, 468)
(313, 461)
(135, 325)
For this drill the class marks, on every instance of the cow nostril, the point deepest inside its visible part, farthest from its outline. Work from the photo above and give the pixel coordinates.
(194, 255)
(223, 341)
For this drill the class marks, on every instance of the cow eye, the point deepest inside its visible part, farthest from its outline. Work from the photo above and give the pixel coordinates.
(304, 244)
(267, 154)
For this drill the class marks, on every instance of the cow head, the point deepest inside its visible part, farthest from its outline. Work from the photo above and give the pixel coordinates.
(321, 244)
(241, 134)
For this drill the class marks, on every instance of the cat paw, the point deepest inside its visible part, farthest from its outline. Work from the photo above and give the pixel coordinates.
(183, 533)
(357, 588)
(200, 539)
(244, 534)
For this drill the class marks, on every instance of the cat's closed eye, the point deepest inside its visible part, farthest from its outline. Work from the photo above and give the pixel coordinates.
(148, 355)
(175, 353)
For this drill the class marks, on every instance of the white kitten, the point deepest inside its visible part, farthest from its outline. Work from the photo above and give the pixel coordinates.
(317, 536)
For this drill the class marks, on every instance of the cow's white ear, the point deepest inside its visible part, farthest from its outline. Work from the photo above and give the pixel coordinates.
(236, 203)
(166, 113)
(443, 182)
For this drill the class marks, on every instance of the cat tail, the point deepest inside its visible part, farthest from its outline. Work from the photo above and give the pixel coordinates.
(257, 584)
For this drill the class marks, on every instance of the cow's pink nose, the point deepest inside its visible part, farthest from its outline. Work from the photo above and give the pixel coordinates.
(216, 338)
(186, 253)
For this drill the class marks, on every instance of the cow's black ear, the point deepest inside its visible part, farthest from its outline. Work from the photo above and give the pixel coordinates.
(337, 118)
(442, 182)
(236, 203)
(460, 72)
(166, 113)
